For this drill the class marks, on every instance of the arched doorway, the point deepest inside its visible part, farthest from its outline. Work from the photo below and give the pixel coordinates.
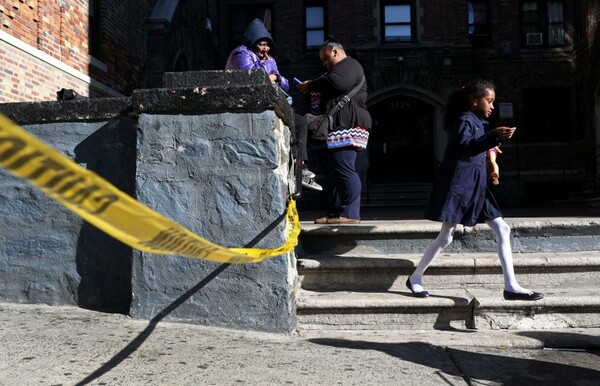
(181, 63)
(404, 144)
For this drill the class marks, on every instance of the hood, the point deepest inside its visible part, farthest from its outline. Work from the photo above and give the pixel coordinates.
(256, 31)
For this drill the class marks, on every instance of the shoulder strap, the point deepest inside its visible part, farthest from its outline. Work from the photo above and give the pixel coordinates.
(356, 88)
(346, 98)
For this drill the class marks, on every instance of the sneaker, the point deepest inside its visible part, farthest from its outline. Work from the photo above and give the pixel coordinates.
(311, 184)
(307, 173)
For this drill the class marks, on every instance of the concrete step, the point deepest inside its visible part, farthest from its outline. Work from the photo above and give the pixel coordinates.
(460, 308)
(352, 276)
(381, 272)
(413, 236)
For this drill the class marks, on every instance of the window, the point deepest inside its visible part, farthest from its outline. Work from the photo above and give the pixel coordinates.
(479, 26)
(547, 115)
(314, 26)
(397, 25)
(95, 30)
(241, 15)
(543, 23)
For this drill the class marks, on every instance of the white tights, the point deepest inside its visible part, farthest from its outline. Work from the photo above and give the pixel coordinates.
(502, 231)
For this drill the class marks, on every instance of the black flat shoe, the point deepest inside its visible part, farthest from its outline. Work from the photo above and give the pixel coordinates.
(422, 294)
(529, 296)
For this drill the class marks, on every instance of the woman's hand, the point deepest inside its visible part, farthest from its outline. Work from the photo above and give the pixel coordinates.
(303, 87)
(505, 132)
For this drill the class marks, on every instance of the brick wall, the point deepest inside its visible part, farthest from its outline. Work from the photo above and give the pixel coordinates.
(44, 46)
(28, 78)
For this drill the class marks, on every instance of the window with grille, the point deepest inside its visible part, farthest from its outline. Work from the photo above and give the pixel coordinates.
(479, 23)
(543, 23)
(241, 15)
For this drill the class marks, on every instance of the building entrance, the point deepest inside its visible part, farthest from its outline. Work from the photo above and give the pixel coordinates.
(401, 143)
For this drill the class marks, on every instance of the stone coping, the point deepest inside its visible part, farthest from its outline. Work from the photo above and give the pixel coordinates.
(225, 78)
(186, 92)
(212, 100)
(82, 109)
(219, 90)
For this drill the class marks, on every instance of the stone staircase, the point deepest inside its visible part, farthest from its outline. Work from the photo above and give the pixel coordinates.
(352, 277)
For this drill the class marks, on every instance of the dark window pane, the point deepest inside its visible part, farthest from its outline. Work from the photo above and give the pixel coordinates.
(547, 115)
(477, 13)
(241, 16)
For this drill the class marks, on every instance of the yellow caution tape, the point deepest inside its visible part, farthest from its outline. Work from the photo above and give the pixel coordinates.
(103, 205)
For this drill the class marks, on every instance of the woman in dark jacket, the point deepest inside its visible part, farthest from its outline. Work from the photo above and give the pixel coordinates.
(351, 130)
(460, 194)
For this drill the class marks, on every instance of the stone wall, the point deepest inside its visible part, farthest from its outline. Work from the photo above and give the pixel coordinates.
(48, 254)
(210, 152)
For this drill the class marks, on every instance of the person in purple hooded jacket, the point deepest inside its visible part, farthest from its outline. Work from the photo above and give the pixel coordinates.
(253, 54)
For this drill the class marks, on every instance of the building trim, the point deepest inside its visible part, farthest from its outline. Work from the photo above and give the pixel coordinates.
(408, 90)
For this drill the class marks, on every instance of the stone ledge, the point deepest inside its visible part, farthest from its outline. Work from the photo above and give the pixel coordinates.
(84, 109)
(213, 100)
(222, 78)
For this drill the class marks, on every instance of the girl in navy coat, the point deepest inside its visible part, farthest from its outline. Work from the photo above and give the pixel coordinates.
(460, 194)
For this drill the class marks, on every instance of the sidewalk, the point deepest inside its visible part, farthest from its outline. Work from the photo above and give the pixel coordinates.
(44, 345)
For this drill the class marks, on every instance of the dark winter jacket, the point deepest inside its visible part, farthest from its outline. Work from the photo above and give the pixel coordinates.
(339, 81)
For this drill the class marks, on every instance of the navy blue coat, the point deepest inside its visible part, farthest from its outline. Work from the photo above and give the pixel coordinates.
(460, 194)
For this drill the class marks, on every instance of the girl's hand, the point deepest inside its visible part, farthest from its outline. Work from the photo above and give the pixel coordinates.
(505, 132)
(273, 78)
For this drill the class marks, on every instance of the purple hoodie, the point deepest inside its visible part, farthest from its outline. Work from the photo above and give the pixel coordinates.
(242, 57)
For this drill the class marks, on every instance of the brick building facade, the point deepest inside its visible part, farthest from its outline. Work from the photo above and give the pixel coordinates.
(542, 54)
(95, 47)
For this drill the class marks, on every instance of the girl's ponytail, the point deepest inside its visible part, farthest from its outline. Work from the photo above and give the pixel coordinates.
(458, 102)
(456, 106)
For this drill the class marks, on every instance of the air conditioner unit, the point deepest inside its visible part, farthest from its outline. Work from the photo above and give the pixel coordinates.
(534, 39)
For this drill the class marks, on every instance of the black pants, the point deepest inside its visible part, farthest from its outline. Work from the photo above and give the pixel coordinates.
(299, 136)
(340, 165)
